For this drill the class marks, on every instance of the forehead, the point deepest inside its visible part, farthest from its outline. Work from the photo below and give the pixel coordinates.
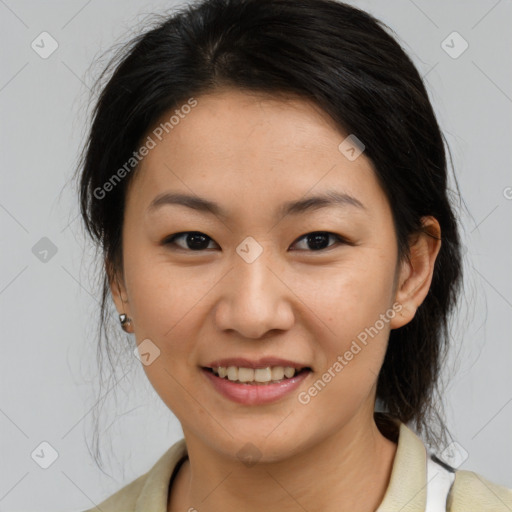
(240, 127)
(251, 150)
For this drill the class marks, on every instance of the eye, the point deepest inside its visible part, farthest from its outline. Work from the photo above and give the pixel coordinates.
(318, 240)
(197, 241)
(194, 240)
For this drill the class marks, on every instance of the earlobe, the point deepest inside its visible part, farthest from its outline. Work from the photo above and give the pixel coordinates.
(122, 305)
(417, 271)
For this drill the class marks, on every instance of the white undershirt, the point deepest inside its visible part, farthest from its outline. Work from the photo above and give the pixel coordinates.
(439, 482)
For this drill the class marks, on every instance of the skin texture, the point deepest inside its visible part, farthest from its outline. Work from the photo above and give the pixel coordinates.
(250, 153)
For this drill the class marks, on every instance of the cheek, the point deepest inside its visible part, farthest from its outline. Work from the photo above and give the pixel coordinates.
(350, 294)
(353, 303)
(162, 295)
(170, 305)
(167, 310)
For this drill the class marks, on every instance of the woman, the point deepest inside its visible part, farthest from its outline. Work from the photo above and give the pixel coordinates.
(268, 184)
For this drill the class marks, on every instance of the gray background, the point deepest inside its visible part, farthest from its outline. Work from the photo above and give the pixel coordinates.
(48, 303)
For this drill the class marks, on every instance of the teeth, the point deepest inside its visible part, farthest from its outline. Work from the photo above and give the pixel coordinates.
(232, 373)
(277, 373)
(289, 372)
(245, 374)
(262, 375)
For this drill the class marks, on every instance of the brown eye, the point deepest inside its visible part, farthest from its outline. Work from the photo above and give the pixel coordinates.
(194, 240)
(318, 240)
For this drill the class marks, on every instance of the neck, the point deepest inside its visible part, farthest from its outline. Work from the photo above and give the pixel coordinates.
(346, 471)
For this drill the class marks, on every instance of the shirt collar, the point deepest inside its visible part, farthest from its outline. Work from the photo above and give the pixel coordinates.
(406, 490)
(155, 492)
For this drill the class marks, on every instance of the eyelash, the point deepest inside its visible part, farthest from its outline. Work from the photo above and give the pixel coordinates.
(170, 240)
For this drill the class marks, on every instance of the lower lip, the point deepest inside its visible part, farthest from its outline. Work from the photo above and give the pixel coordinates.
(255, 394)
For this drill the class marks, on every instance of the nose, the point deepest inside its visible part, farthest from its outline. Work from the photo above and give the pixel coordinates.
(254, 300)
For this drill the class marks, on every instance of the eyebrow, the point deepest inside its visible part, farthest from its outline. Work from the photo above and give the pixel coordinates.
(329, 198)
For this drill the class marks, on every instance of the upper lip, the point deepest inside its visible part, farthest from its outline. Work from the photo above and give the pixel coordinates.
(264, 362)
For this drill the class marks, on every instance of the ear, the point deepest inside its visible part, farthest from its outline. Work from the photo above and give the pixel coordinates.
(117, 289)
(415, 275)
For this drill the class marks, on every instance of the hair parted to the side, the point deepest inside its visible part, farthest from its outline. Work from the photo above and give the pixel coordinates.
(347, 63)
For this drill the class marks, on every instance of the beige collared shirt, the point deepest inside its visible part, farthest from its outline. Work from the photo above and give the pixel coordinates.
(406, 491)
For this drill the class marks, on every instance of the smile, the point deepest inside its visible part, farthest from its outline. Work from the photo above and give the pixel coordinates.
(252, 386)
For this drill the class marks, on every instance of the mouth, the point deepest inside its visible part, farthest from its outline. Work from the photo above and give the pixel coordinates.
(255, 386)
(257, 376)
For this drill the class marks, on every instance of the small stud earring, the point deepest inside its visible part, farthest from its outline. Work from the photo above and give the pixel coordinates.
(126, 323)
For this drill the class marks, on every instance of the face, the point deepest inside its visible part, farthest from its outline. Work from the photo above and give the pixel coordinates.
(254, 280)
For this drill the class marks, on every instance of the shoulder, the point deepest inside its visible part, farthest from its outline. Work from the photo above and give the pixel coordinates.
(409, 488)
(150, 490)
(125, 499)
(471, 492)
